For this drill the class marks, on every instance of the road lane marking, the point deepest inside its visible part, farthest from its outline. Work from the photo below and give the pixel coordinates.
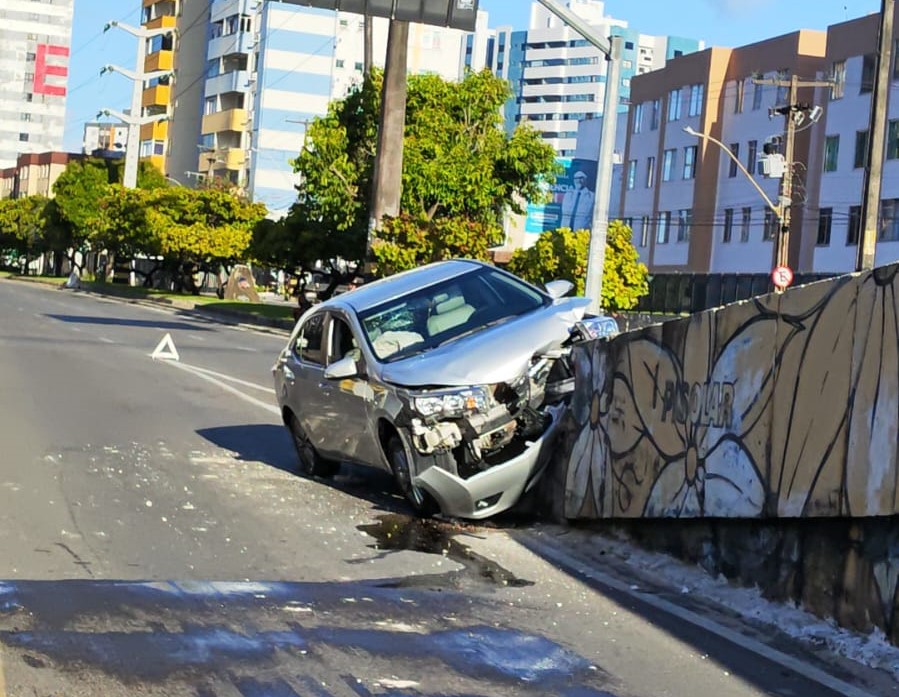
(106, 341)
(582, 568)
(229, 378)
(271, 408)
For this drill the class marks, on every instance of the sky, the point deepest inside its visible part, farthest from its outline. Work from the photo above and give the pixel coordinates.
(717, 22)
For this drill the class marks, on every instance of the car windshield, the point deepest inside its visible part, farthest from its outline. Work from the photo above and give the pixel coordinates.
(447, 311)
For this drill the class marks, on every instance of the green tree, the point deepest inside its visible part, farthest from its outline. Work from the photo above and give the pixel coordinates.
(562, 254)
(461, 172)
(23, 226)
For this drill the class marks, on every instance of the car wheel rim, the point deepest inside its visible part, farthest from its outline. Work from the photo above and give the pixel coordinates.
(404, 476)
(302, 445)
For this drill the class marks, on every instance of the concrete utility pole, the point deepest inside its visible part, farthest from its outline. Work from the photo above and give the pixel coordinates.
(387, 184)
(794, 113)
(133, 119)
(611, 47)
(368, 45)
(867, 245)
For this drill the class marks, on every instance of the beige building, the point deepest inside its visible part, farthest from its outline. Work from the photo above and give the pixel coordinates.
(34, 174)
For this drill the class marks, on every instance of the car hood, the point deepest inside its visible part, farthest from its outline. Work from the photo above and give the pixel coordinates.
(496, 354)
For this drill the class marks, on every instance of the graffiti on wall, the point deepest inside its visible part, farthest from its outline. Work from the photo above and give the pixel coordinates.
(784, 406)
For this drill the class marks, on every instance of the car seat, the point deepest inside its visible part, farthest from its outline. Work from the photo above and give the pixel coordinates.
(448, 314)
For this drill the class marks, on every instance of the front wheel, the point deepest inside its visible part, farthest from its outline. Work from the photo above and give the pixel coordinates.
(310, 462)
(398, 457)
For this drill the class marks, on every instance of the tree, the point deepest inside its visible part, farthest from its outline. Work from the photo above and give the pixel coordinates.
(23, 223)
(461, 172)
(562, 254)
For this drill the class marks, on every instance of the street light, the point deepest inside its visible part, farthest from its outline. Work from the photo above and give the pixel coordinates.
(778, 209)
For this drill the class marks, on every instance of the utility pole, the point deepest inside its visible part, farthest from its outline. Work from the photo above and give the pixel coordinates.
(867, 244)
(611, 47)
(368, 45)
(133, 119)
(794, 113)
(388, 175)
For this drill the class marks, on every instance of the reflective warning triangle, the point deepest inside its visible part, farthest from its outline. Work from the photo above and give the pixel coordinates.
(166, 350)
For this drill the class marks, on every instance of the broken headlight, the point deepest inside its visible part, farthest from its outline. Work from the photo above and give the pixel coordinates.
(450, 404)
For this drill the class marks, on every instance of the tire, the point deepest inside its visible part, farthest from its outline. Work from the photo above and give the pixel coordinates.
(309, 461)
(421, 501)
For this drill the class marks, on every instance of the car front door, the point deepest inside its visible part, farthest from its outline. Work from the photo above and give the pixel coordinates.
(347, 416)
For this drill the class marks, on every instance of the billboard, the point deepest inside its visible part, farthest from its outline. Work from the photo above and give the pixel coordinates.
(455, 14)
(572, 200)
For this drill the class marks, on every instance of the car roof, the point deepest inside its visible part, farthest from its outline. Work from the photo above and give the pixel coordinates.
(373, 294)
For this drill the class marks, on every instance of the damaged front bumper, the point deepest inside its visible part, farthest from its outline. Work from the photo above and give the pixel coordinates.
(497, 488)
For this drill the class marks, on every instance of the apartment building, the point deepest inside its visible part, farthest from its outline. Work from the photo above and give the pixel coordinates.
(34, 174)
(104, 137)
(558, 77)
(35, 40)
(833, 226)
(690, 205)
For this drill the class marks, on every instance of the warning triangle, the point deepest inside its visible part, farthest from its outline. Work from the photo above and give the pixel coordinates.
(166, 350)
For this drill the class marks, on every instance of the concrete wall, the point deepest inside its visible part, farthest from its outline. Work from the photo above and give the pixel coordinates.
(769, 429)
(782, 407)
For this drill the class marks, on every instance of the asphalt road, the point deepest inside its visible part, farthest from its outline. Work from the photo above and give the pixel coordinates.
(154, 540)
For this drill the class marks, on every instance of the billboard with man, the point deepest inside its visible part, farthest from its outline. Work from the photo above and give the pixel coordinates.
(572, 199)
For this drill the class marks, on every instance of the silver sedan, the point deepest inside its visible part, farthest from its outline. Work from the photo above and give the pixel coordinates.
(450, 376)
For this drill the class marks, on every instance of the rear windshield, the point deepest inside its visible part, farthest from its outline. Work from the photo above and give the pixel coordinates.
(447, 311)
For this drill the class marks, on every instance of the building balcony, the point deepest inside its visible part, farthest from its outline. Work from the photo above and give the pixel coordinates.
(158, 161)
(226, 8)
(242, 42)
(235, 81)
(232, 159)
(161, 60)
(167, 21)
(155, 131)
(228, 120)
(150, 3)
(161, 95)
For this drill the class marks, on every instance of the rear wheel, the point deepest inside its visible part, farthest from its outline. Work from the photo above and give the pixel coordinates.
(310, 462)
(398, 457)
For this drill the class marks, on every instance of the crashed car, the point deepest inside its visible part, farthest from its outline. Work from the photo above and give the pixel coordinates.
(452, 376)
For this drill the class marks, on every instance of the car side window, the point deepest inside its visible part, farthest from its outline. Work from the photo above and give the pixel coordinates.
(309, 341)
(343, 342)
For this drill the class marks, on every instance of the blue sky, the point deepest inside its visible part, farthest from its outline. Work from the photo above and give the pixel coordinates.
(717, 22)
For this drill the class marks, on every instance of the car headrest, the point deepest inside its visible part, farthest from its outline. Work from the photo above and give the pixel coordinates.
(449, 305)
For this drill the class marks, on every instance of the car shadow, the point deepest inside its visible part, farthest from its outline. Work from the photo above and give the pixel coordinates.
(270, 444)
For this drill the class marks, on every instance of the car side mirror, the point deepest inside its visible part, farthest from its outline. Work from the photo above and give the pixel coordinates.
(559, 289)
(344, 368)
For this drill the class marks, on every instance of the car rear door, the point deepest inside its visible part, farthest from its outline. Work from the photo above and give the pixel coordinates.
(302, 374)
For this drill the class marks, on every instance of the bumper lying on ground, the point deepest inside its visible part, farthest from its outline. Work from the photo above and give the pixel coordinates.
(496, 489)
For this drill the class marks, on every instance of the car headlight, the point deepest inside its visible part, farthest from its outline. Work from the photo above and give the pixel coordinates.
(453, 403)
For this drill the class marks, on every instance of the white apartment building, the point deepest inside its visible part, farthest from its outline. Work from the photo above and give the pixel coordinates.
(559, 77)
(35, 40)
(105, 136)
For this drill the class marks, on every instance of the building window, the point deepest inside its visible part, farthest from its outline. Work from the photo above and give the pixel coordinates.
(783, 91)
(358, 67)
(674, 105)
(854, 226)
(209, 106)
(728, 225)
(867, 74)
(889, 220)
(23, 137)
(838, 75)
(756, 96)
(735, 151)
(831, 153)
(629, 45)
(644, 231)
(631, 174)
(638, 118)
(696, 97)
(656, 109)
(893, 139)
(861, 149)
(740, 86)
(684, 224)
(895, 59)
(771, 225)
(690, 161)
(825, 219)
(664, 226)
(339, 63)
(752, 155)
(650, 171)
(745, 222)
(668, 165)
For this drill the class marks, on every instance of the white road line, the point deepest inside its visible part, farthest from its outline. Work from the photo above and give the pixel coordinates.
(106, 341)
(789, 662)
(271, 408)
(229, 378)
(195, 337)
(76, 329)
